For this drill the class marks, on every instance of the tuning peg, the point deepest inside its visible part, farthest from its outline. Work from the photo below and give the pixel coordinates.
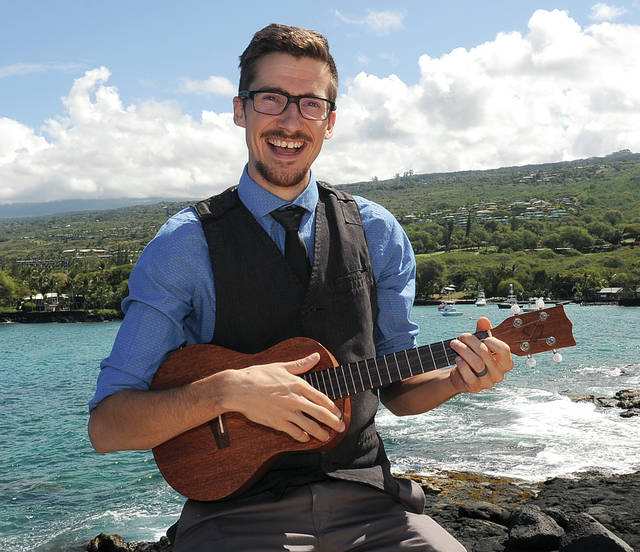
(515, 309)
(557, 357)
(540, 303)
(531, 362)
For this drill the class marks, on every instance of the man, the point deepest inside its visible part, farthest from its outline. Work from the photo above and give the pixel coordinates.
(216, 273)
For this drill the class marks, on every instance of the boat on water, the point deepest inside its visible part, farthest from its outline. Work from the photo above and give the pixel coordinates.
(535, 303)
(511, 299)
(450, 309)
(481, 300)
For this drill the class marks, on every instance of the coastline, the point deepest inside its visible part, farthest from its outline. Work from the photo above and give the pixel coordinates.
(586, 511)
(34, 317)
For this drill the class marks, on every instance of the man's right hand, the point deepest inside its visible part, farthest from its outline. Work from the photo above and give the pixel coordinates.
(273, 395)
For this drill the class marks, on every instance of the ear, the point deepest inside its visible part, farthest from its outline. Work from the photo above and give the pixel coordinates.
(239, 117)
(331, 121)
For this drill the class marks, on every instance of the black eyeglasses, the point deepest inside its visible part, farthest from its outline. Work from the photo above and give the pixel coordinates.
(274, 102)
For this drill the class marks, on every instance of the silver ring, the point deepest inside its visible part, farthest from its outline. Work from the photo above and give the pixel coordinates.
(480, 374)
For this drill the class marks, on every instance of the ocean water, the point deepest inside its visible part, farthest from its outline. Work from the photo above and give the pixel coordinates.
(56, 493)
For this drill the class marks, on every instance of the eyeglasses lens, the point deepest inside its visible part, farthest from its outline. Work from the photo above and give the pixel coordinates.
(271, 103)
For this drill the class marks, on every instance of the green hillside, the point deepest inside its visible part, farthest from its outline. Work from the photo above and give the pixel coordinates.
(597, 185)
(561, 229)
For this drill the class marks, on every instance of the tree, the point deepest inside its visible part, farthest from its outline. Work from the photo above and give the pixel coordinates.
(613, 216)
(428, 276)
(504, 287)
(586, 284)
(8, 289)
(576, 237)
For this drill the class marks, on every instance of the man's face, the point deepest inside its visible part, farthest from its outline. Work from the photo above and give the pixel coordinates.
(283, 147)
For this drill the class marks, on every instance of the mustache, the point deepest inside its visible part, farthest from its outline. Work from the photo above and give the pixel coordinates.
(284, 136)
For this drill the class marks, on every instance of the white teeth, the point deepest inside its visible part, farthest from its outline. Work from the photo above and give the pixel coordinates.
(286, 144)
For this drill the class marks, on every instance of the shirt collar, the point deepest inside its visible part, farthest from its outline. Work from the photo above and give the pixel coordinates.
(261, 202)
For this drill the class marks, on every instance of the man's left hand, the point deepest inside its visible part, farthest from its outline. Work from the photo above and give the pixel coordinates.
(479, 364)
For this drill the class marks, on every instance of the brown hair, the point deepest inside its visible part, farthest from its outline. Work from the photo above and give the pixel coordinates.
(290, 40)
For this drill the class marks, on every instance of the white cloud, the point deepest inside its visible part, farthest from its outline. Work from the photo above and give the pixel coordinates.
(18, 69)
(379, 22)
(102, 148)
(605, 12)
(557, 92)
(384, 22)
(220, 86)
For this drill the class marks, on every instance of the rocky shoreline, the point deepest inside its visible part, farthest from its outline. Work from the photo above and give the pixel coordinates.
(626, 399)
(590, 512)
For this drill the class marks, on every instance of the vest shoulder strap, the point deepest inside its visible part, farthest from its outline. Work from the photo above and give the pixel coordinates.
(216, 206)
(348, 205)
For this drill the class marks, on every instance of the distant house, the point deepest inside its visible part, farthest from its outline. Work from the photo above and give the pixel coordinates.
(610, 294)
(48, 301)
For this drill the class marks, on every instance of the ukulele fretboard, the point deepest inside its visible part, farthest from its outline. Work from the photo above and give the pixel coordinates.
(355, 377)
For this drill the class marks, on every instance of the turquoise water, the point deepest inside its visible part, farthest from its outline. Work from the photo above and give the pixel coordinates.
(56, 493)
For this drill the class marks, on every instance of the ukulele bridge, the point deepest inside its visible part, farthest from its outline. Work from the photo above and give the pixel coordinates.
(219, 433)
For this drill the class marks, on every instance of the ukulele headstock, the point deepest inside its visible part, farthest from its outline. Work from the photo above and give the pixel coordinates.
(536, 331)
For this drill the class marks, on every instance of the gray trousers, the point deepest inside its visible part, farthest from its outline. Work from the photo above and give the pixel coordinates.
(329, 516)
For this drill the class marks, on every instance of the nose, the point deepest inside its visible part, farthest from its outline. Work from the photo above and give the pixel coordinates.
(290, 117)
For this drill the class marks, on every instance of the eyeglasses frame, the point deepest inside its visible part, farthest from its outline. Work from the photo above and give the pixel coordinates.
(250, 95)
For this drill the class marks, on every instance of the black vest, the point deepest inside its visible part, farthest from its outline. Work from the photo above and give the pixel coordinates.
(260, 302)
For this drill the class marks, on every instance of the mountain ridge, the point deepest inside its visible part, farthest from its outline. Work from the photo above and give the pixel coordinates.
(71, 206)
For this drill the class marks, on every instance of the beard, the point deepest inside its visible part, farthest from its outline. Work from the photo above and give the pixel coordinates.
(281, 177)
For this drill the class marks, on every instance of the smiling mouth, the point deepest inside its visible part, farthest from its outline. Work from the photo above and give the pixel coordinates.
(285, 144)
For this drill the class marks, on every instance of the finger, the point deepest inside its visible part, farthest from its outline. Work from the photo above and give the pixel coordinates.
(332, 418)
(483, 324)
(302, 365)
(310, 427)
(500, 354)
(471, 382)
(475, 354)
(295, 432)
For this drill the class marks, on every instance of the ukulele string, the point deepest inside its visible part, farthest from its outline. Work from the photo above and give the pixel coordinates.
(355, 377)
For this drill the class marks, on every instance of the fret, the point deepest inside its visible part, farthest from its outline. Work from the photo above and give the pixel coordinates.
(387, 365)
(395, 357)
(444, 348)
(435, 365)
(366, 367)
(346, 382)
(375, 361)
(406, 355)
(324, 383)
(360, 374)
(422, 370)
(337, 383)
(352, 380)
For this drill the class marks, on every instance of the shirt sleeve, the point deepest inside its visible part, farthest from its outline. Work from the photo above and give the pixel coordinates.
(394, 268)
(170, 304)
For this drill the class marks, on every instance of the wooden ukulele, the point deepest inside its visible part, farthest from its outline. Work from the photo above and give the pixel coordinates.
(230, 453)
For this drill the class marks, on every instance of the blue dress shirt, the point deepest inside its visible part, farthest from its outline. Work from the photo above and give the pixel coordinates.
(172, 299)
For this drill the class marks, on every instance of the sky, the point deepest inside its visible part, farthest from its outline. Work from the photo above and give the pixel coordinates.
(133, 98)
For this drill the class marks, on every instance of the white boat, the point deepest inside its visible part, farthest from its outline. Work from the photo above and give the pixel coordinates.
(511, 299)
(450, 309)
(535, 303)
(481, 300)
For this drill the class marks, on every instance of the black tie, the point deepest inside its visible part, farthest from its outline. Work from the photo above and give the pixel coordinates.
(295, 252)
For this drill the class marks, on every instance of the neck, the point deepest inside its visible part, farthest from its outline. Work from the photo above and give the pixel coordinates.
(285, 192)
